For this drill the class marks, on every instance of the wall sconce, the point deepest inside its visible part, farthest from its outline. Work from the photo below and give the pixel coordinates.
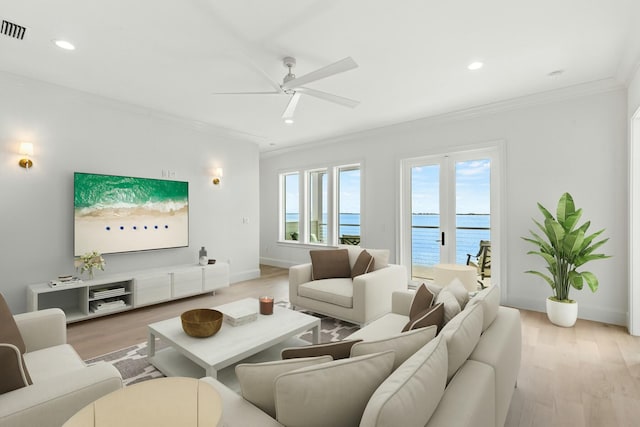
(217, 176)
(26, 149)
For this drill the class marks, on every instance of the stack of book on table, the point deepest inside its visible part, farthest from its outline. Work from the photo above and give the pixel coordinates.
(106, 293)
(106, 305)
(237, 316)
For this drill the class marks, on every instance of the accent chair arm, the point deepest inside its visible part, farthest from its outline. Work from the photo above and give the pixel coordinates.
(298, 274)
(372, 292)
(54, 400)
(43, 328)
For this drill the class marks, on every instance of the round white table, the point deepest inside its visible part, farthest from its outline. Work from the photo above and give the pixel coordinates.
(443, 274)
(162, 402)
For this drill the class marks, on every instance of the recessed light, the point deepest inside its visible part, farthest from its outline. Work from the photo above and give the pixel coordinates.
(475, 66)
(288, 121)
(63, 44)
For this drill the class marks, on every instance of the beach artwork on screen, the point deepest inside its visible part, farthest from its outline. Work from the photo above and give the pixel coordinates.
(122, 214)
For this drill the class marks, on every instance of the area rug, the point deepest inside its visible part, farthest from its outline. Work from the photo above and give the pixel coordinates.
(134, 367)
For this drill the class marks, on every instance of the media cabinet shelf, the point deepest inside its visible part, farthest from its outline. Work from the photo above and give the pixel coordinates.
(141, 288)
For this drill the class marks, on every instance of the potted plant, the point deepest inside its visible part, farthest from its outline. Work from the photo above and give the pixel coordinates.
(565, 248)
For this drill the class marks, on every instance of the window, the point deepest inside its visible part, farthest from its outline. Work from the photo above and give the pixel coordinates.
(349, 205)
(317, 209)
(291, 206)
(321, 206)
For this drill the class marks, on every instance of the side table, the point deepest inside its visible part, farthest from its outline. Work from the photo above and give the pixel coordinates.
(162, 402)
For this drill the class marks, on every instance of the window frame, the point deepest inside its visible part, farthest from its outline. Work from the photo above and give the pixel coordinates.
(304, 198)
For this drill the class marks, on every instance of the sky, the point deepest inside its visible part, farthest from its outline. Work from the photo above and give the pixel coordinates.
(472, 189)
(349, 192)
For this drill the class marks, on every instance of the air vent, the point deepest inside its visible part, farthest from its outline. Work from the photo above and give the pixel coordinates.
(13, 30)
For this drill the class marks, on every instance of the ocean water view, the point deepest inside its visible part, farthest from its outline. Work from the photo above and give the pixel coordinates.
(425, 244)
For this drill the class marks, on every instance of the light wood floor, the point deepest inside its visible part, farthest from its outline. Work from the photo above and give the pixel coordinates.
(588, 375)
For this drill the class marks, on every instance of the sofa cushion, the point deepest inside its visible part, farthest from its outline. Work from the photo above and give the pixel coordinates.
(489, 299)
(329, 264)
(405, 344)
(412, 392)
(456, 287)
(433, 316)
(331, 394)
(462, 334)
(332, 291)
(13, 371)
(383, 327)
(337, 350)
(364, 264)
(257, 379)
(451, 306)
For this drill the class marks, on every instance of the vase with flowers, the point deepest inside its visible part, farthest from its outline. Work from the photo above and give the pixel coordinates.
(88, 262)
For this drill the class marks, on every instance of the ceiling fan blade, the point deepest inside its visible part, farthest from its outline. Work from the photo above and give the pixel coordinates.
(341, 66)
(351, 103)
(246, 93)
(291, 106)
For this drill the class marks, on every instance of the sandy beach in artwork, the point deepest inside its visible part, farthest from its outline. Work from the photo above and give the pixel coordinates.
(121, 230)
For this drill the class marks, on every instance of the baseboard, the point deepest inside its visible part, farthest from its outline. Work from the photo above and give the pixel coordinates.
(244, 275)
(584, 312)
(277, 262)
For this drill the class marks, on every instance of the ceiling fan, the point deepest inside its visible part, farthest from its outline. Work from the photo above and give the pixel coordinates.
(293, 86)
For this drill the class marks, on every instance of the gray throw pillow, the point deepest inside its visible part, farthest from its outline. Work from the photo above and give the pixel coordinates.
(451, 306)
(257, 379)
(404, 344)
(332, 394)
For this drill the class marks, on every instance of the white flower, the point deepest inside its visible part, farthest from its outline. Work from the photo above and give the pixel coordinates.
(89, 261)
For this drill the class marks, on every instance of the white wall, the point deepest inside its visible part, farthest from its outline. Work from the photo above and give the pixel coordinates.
(575, 144)
(634, 200)
(73, 131)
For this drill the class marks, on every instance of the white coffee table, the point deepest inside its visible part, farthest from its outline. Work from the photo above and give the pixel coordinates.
(198, 357)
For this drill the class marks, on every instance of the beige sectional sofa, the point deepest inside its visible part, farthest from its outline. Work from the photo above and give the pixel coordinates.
(358, 300)
(62, 383)
(465, 376)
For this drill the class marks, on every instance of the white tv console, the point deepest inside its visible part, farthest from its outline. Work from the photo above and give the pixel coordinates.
(81, 300)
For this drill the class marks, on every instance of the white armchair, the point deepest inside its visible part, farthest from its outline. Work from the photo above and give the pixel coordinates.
(62, 383)
(359, 300)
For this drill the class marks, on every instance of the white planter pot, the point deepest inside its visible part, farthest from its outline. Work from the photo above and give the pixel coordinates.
(562, 313)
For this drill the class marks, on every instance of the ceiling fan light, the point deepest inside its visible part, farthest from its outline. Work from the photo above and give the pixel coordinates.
(63, 44)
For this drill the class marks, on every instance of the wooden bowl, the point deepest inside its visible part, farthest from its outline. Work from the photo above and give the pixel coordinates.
(201, 322)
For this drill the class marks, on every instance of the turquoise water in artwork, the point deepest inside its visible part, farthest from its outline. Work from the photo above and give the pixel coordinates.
(425, 245)
(95, 192)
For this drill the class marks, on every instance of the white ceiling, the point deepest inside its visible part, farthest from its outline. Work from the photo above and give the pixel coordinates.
(171, 56)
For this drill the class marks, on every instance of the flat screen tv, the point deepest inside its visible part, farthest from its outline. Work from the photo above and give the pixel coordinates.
(115, 214)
